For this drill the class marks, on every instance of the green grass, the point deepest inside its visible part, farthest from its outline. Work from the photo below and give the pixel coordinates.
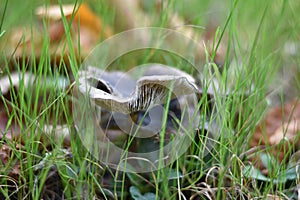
(254, 34)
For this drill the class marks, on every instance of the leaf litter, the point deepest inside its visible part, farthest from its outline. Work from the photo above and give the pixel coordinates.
(280, 127)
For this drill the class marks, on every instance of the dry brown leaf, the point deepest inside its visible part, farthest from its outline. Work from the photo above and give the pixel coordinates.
(83, 14)
(5, 157)
(280, 124)
(90, 20)
(91, 26)
(288, 131)
(5, 152)
(21, 41)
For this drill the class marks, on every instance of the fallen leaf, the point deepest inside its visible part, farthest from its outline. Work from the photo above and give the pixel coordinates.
(20, 42)
(91, 26)
(288, 131)
(82, 14)
(89, 19)
(281, 124)
(6, 152)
